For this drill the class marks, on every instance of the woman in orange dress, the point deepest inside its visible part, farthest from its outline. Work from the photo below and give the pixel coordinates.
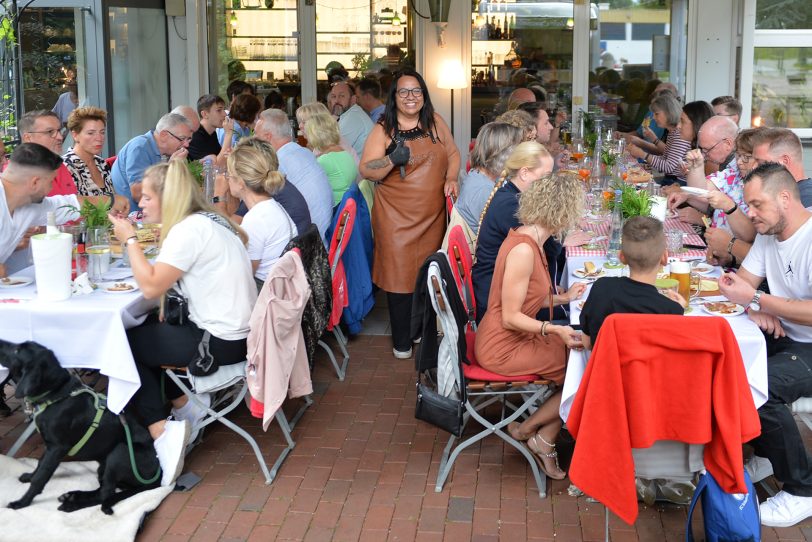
(510, 341)
(411, 156)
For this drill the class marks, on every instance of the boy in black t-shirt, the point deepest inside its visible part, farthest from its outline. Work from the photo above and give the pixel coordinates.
(643, 250)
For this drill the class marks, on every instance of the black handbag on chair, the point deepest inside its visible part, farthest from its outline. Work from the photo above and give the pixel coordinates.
(438, 410)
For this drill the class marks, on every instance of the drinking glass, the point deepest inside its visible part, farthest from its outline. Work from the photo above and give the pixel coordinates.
(98, 250)
(673, 240)
(585, 168)
(578, 150)
(681, 272)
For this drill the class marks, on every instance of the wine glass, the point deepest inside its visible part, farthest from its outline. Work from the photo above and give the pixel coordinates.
(578, 150)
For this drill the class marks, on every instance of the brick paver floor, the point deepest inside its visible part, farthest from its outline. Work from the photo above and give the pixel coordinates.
(364, 469)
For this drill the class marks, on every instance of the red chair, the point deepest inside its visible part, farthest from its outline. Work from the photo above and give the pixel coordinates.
(338, 244)
(112, 160)
(459, 256)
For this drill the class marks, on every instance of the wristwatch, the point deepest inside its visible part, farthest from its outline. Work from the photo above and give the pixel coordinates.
(216, 199)
(733, 210)
(755, 303)
(131, 240)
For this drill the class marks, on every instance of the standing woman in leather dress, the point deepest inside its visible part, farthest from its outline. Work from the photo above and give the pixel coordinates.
(411, 156)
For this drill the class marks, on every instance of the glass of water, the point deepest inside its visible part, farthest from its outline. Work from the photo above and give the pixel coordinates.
(98, 252)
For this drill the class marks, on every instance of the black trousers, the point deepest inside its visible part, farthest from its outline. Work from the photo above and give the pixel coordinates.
(400, 319)
(155, 344)
(789, 376)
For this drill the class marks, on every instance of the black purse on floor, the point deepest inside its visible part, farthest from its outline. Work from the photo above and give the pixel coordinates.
(438, 410)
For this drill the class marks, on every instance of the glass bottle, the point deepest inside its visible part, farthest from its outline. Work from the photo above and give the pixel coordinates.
(613, 252)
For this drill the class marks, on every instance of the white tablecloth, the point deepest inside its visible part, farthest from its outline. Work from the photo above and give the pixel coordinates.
(86, 331)
(751, 343)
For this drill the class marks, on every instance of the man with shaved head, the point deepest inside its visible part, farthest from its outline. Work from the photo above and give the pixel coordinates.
(23, 203)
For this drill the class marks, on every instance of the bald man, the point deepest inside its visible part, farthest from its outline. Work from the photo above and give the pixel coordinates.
(191, 115)
(520, 96)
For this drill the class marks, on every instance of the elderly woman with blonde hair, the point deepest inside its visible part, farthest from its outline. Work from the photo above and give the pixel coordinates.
(308, 111)
(323, 138)
(510, 340)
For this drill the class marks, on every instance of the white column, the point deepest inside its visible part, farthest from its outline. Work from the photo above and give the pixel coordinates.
(580, 56)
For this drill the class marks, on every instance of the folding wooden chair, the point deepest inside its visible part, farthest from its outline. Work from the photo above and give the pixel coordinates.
(479, 388)
(228, 388)
(338, 244)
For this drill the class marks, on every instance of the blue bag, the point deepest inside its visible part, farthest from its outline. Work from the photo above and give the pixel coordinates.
(728, 517)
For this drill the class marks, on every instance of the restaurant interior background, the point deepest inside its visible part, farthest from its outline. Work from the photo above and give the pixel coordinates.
(137, 59)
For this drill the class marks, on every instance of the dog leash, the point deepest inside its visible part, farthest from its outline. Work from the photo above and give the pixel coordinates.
(131, 451)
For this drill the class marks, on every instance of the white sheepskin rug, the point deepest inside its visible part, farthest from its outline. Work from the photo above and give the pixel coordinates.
(42, 522)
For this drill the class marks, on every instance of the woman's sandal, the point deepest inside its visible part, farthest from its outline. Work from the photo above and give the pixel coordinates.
(535, 447)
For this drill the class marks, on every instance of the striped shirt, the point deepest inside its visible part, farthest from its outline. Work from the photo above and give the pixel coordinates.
(670, 162)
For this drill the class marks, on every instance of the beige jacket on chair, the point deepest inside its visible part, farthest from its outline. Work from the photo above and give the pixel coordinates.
(277, 359)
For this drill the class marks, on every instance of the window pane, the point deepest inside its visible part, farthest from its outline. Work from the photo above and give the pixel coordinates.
(613, 31)
(255, 45)
(519, 44)
(625, 67)
(782, 95)
(645, 31)
(779, 14)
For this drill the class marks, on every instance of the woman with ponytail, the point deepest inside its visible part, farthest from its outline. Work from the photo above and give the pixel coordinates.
(253, 178)
(203, 257)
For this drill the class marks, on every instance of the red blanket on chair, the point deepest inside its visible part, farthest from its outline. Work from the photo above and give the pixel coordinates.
(659, 377)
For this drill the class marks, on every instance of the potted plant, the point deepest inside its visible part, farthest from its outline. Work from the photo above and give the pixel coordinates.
(633, 202)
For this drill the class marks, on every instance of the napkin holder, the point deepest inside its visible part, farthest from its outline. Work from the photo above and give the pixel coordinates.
(52, 265)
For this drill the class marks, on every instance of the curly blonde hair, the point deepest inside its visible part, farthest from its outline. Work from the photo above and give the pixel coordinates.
(555, 202)
(520, 119)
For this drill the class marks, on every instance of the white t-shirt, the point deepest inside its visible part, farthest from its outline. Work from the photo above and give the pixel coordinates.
(269, 230)
(12, 228)
(216, 277)
(787, 266)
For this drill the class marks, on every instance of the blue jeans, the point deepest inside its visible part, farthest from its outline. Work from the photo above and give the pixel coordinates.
(789, 376)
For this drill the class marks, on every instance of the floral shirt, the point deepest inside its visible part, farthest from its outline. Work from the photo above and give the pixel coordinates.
(729, 181)
(81, 175)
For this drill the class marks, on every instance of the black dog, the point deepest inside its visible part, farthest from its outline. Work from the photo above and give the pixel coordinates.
(63, 414)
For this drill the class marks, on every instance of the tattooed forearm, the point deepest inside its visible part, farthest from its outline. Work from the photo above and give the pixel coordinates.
(379, 163)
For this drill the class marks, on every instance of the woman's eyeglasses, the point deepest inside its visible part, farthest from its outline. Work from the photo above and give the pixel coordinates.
(416, 92)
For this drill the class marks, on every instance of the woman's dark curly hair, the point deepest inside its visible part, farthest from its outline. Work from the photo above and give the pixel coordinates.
(390, 115)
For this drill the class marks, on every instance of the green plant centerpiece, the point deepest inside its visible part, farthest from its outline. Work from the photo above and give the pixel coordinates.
(196, 169)
(634, 202)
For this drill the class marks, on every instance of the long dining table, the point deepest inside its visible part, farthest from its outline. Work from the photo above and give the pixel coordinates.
(751, 340)
(85, 331)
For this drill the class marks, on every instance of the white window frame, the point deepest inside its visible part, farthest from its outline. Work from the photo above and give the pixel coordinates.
(752, 39)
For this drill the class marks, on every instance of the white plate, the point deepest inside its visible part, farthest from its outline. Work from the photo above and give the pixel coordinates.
(695, 191)
(15, 282)
(703, 268)
(581, 274)
(738, 311)
(110, 287)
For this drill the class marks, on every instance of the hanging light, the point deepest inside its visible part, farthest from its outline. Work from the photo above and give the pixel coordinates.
(233, 20)
(570, 22)
(396, 20)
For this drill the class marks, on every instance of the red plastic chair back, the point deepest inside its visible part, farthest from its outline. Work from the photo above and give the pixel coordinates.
(459, 255)
(338, 244)
(110, 161)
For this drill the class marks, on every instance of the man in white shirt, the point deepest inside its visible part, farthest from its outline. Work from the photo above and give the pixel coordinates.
(780, 254)
(23, 202)
(353, 122)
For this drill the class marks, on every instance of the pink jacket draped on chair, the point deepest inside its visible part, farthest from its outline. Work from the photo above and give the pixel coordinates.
(277, 359)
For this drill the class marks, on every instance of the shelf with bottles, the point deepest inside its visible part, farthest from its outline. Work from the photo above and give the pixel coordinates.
(253, 22)
(342, 43)
(259, 5)
(493, 26)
